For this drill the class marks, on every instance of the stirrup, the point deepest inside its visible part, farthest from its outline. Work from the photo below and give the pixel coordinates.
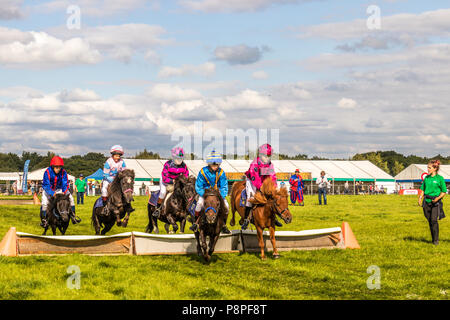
(245, 224)
(44, 223)
(194, 227)
(156, 213)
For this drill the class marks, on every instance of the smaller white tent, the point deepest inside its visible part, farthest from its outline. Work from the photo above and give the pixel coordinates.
(10, 176)
(412, 175)
(38, 175)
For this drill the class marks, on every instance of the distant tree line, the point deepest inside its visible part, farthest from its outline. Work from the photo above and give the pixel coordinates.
(389, 161)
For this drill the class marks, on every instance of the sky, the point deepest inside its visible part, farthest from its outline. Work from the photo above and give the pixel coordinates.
(332, 78)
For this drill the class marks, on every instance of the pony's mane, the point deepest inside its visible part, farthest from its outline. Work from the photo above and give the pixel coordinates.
(115, 187)
(268, 191)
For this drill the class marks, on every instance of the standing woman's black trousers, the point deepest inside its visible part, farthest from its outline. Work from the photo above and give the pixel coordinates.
(431, 212)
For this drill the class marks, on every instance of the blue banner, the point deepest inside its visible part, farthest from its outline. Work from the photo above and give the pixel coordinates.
(25, 175)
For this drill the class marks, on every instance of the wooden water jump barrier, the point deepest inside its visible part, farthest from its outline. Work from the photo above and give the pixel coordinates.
(15, 202)
(138, 243)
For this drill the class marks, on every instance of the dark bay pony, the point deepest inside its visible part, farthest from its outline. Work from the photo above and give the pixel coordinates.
(212, 220)
(268, 203)
(58, 213)
(174, 207)
(118, 205)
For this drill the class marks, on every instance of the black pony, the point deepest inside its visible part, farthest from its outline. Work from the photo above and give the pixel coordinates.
(120, 195)
(174, 207)
(212, 219)
(59, 212)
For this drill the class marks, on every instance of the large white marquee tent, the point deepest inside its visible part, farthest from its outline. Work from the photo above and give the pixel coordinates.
(337, 171)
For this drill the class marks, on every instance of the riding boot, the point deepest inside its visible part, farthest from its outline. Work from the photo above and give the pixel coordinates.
(246, 220)
(74, 217)
(157, 211)
(44, 223)
(194, 226)
(224, 228)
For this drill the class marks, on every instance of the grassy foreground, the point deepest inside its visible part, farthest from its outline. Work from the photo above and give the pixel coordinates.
(391, 230)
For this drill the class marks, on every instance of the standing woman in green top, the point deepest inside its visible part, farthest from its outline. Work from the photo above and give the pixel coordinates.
(433, 190)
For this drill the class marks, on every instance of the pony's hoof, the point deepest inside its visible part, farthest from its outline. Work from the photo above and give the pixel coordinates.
(263, 258)
(276, 256)
(119, 223)
(171, 232)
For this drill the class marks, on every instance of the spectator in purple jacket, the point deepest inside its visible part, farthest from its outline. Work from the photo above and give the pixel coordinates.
(172, 169)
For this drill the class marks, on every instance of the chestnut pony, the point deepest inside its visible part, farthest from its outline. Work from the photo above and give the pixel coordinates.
(268, 202)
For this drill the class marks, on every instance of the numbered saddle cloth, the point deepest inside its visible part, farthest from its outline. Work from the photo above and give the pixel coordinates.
(243, 200)
(98, 203)
(153, 200)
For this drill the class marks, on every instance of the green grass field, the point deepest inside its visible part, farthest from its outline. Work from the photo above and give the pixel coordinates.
(391, 230)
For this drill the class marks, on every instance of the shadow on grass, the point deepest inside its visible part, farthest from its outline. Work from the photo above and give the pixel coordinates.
(425, 240)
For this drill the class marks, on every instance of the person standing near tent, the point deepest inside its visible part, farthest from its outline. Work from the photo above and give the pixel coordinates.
(80, 187)
(432, 190)
(323, 184)
(296, 183)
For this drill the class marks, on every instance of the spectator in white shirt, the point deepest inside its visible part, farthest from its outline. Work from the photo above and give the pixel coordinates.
(323, 184)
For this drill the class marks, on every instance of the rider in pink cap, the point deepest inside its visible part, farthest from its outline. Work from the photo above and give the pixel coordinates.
(260, 169)
(171, 170)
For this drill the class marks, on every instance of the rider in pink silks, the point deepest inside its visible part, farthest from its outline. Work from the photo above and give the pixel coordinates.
(260, 169)
(171, 170)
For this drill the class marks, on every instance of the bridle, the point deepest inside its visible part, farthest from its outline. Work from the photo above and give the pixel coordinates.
(277, 210)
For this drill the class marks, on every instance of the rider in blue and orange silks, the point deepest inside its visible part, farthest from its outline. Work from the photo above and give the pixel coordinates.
(297, 186)
(211, 176)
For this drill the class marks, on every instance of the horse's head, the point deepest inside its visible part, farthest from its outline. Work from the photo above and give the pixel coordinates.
(126, 178)
(281, 204)
(62, 206)
(189, 189)
(212, 205)
(185, 187)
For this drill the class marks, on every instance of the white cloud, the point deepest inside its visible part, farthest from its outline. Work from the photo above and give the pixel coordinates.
(39, 49)
(346, 103)
(260, 75)
(400, 29)
(239, 54)
(11, 9)
(215, 6)
(206, 69)
(170, 92)
(94, 8)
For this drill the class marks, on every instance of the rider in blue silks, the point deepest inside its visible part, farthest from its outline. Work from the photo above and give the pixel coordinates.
(211, 176)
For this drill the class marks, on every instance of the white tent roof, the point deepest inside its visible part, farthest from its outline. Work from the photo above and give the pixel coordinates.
(38, 175)
(414, 172)
(151, 168)
(10, 176)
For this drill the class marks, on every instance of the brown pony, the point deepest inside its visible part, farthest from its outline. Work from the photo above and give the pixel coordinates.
(267, 203)
(212, 220)
(118, 205)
